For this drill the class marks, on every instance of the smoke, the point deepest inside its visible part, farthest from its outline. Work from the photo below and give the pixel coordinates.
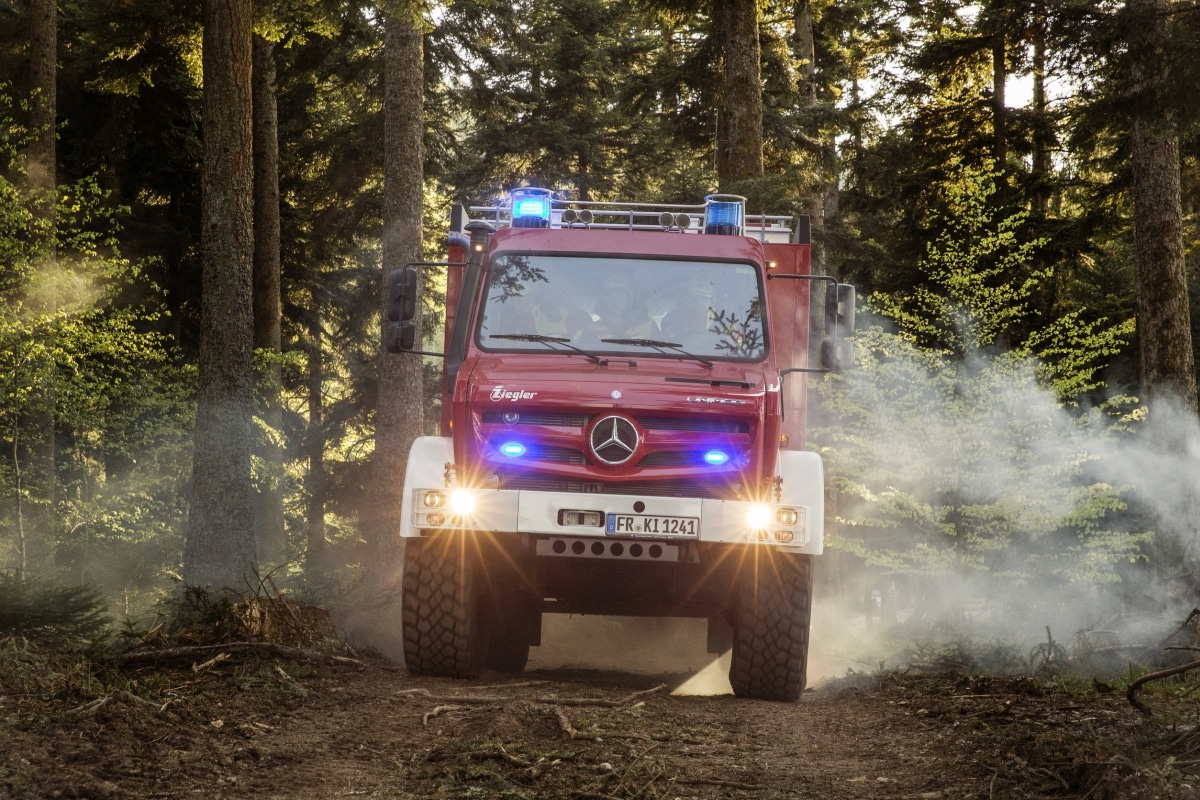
(971, 504)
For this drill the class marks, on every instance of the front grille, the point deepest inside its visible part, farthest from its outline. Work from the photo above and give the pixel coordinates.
(694, 424)
(561, 455)
(537, 418)
(540, 483)
(675, 458)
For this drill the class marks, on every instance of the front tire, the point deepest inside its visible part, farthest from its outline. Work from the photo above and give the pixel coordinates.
(508, 642)
(442, 632)
(773, 607)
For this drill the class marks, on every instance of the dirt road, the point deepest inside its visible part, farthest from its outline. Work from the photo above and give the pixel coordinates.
(279, 729)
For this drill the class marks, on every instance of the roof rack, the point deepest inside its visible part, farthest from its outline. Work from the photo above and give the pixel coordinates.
(671, 217)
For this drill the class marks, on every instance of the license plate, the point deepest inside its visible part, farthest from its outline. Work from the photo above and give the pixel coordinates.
(646, 525)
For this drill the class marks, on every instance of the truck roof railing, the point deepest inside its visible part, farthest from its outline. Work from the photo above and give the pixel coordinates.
(709, 217)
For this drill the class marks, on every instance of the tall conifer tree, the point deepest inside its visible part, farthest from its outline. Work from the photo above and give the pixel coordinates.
(220, 540)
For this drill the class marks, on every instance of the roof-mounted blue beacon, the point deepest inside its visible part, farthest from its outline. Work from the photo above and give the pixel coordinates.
(724, 214)
(531, 207)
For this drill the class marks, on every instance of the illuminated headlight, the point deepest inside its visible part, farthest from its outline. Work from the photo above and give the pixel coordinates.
(758, 517)
(462, 502)
(433, 499)
(787, 516)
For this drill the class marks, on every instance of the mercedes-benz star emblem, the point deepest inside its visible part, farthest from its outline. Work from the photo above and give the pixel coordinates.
(614, 440)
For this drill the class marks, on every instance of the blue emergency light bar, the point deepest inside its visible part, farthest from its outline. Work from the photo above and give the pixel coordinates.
(722, 215)
(531, 208)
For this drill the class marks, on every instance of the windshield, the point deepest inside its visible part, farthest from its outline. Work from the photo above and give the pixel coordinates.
(708, 309)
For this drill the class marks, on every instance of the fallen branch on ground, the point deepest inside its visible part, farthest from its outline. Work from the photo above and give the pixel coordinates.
(465, 698)
(184, 653)
(749, 787)
(570, 732)
(437, 712)
(128, 698)
(1131, 692)
(600, 701)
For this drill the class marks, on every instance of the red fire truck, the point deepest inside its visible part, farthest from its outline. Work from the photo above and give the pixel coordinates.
(622, 432)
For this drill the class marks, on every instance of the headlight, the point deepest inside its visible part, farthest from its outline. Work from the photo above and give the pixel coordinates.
(433, 499)
(758, 516)
(462, 502)
(787, 516)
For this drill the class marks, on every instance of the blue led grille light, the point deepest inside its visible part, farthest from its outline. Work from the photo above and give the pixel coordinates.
(531, 208)
(513, 449)
(723, 214)
(716, 457)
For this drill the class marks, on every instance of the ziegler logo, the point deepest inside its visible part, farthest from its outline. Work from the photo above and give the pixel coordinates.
(718, 401)
(513, 395)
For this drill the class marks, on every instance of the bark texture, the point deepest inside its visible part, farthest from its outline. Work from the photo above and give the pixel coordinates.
(399, 416)
(41, 155)
(743, 142)
(220, 540)
(1166, 362)
(268, 312)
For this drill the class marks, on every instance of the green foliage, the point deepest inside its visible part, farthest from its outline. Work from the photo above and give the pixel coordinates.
(981, 290)
(72, 616)
(95, 405)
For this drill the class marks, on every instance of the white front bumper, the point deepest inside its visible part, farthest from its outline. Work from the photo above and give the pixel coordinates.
(536, 512)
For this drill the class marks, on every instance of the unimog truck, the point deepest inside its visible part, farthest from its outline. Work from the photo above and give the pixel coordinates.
(622, 432)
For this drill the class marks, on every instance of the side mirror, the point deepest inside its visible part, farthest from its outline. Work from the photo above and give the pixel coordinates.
(836, 352)
(402, 295)
(839, 310)
(401, 337)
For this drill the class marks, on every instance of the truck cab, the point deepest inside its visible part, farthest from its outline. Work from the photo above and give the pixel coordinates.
(622, 433)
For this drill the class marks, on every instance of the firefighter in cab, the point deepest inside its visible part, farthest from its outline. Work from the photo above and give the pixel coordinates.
(620, 312)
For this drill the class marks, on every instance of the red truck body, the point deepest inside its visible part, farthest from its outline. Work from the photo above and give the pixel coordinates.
(599, 456)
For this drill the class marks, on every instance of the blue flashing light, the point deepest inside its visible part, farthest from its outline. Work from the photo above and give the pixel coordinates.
(531, 208)
(513, 449)
(716, 457)
(723, 216)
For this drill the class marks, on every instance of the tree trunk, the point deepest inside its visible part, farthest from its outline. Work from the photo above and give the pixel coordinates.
(315, 561)
(41, 172)
(219, 550)
(999, 81)
(1042, 132)
(399, 418)
(1166, 362)
(42, 154)
(806, 54)
(743, 144)
(268, 501)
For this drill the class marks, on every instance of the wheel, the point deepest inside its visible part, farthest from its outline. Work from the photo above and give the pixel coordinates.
(442, 634)
(508, 643)
(512, 621)
(770, 627)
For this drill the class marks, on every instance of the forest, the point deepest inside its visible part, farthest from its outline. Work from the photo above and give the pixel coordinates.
(1013, 187)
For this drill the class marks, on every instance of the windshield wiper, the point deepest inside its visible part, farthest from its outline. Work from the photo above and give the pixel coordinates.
(662, 347)
(549, 341)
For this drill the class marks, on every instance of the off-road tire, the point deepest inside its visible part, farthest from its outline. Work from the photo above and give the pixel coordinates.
(442, 631)
(508, 643)
(771, 617)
